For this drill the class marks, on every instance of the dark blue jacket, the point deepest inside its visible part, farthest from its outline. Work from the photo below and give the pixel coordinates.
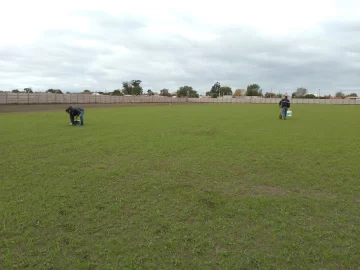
(284, 103)
(74, 111)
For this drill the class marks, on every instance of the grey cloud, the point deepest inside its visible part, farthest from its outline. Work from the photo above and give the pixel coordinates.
(326, 59)
(342, 27)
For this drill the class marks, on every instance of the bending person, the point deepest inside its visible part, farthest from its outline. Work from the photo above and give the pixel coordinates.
(76, 111)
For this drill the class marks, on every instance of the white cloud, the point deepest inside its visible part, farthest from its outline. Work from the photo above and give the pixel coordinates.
(98, 44)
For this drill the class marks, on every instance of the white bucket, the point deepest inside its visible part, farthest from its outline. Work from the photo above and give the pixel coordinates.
(289, 113)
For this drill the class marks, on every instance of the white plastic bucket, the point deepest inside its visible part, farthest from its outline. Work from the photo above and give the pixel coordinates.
(289, 113)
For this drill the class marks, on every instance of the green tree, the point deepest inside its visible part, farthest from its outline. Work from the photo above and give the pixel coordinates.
(150, 93)
(253, 90)
(135, 83)
(352, 95)
(187, 91)
(269, 95)
(301, 92)
(28, 90)
(214, 91)
(15, 91)
(86, 92)
(137, 90)
(132, 88)
(116, 92)
(339, 95)
(54, 91)
(165, 93)
(126, 88)
(225, 91)
(311, 96)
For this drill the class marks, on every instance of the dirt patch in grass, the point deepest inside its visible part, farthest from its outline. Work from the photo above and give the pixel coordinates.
(273, 191)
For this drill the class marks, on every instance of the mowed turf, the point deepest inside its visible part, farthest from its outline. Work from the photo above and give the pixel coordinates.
(181, 187)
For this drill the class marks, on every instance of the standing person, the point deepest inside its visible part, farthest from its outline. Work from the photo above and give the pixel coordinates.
(76, 111)
(284, 104)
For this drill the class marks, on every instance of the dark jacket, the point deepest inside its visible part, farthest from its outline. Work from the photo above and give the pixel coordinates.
(77, 111)
(284, 103)
(74, 111)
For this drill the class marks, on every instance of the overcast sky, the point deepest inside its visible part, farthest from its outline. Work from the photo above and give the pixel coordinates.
(96, 45)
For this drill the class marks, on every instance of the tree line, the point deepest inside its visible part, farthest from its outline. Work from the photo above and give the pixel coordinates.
(134, 87)
(302, 92)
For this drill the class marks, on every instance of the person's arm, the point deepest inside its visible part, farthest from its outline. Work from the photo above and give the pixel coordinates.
(69, 112)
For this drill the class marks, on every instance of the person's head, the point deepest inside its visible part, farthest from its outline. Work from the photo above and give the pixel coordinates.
(285, 96)
(68, 110)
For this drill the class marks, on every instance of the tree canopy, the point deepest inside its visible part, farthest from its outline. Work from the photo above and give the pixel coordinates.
(270, 95)
(214, 91)
(225, 91)
(28, 90)
(54, 91)
(165, 93)
(253, 90)
(339, 95)
(132, 88)
(117, 92)
(187, 91)
(300, 92)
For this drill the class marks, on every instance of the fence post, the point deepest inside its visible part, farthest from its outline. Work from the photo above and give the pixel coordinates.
(17, 98)
(28, 98)
(38, 98)
(55, 98)
(6, 98)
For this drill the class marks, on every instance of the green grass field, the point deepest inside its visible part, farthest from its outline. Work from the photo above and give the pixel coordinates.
(181, 187)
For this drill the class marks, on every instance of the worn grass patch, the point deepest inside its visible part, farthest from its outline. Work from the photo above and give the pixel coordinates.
(181, 187)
